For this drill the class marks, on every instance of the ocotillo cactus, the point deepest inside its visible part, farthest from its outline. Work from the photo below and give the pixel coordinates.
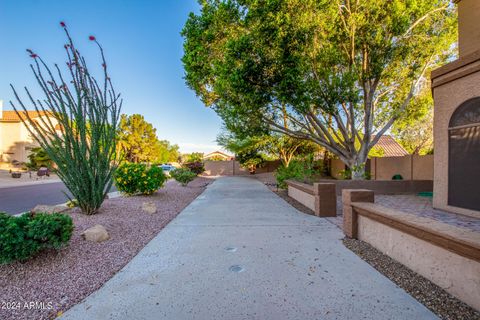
(78, 129)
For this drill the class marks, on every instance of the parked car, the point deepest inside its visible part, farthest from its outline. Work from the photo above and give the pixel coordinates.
(167, 168)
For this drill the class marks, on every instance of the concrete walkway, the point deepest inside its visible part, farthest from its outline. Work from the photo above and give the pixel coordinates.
(240, 252)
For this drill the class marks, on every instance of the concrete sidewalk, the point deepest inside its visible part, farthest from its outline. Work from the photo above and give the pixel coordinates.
(27, 179)
(240, 252)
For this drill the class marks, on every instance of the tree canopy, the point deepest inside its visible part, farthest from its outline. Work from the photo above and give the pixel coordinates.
(138, 142)
(277, 146)
(414, 129)
(333, 72)
(167, 152)
(192, 157)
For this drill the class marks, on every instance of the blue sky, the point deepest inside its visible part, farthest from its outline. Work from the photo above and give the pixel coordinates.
(143, 46)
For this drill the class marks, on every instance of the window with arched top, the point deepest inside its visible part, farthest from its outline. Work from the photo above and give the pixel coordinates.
(464, 156)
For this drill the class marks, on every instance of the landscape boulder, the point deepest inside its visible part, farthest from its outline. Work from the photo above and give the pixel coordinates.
(149, 207)
(97, 233)
(41, 208)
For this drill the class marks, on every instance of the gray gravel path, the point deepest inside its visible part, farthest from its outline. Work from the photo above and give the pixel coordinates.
(240, 252)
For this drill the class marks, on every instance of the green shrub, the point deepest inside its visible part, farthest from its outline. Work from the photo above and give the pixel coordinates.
(345, 174)
(182, 175)
(24, 236)
(153, 180)
(132, 178)
(196, 167)
(127, 177)
(295, 170)
(39, 158)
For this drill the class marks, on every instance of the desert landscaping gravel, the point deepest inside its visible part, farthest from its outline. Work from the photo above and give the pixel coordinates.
(54, 281)
(429, 294)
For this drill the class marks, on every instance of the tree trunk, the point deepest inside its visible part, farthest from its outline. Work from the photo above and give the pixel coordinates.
(358, 172)
(326, 162)
(357, 168)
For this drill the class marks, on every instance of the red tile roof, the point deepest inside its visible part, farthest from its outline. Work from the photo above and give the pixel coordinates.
(390, 146)
(11, 115)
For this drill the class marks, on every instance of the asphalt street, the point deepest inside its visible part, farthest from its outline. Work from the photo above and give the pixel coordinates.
(20, 199)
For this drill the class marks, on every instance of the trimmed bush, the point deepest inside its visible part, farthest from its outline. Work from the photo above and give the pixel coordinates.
(24, 236)
(127, 177)
(184, 176)
(132, 178)
(196, 167)
(294, 171)
(153, 180)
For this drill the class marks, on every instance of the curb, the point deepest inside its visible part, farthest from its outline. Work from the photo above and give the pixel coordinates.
(110, 195)
(26, 184)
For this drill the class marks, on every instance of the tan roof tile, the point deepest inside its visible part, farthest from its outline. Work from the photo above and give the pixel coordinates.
(390, 146)
(11, 115)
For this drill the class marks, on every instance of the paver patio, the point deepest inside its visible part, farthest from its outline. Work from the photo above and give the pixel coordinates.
(417, 205)
(292, 266)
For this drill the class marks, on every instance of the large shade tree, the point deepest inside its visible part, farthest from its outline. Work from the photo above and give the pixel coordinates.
(337, 72)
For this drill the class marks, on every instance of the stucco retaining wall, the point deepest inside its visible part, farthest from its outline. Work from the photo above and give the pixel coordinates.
(319, 197)
(302, 196)
(383, 186)
(446, 255)
(411, 167)
(233, 168)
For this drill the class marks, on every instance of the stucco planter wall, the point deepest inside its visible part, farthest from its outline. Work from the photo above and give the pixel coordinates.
(444, 254)
(319, 197)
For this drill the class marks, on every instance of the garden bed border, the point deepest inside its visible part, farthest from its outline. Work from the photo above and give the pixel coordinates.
(383, 186)
(446, 255)
(319, 197)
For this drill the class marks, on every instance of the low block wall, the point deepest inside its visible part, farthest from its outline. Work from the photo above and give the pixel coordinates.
(233, 168)
(319, 197)
(383, 186)
(444, 254)
(411, 167)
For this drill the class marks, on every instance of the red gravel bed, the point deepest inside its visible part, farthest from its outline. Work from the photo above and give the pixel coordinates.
(57, 280)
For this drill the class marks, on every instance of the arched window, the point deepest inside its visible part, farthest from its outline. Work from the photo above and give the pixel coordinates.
(464, 156)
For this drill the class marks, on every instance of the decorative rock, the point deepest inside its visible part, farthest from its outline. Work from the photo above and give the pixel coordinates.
(149, 207)
(113, 195)
(49, 209)
(97, 233)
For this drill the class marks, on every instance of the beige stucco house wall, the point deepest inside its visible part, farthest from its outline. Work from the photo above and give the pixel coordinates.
(15, 139)
(452, 85)
(468, 30)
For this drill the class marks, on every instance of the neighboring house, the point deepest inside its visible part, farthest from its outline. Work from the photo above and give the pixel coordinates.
(15, 139)
(218, 155)
(390, 147)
